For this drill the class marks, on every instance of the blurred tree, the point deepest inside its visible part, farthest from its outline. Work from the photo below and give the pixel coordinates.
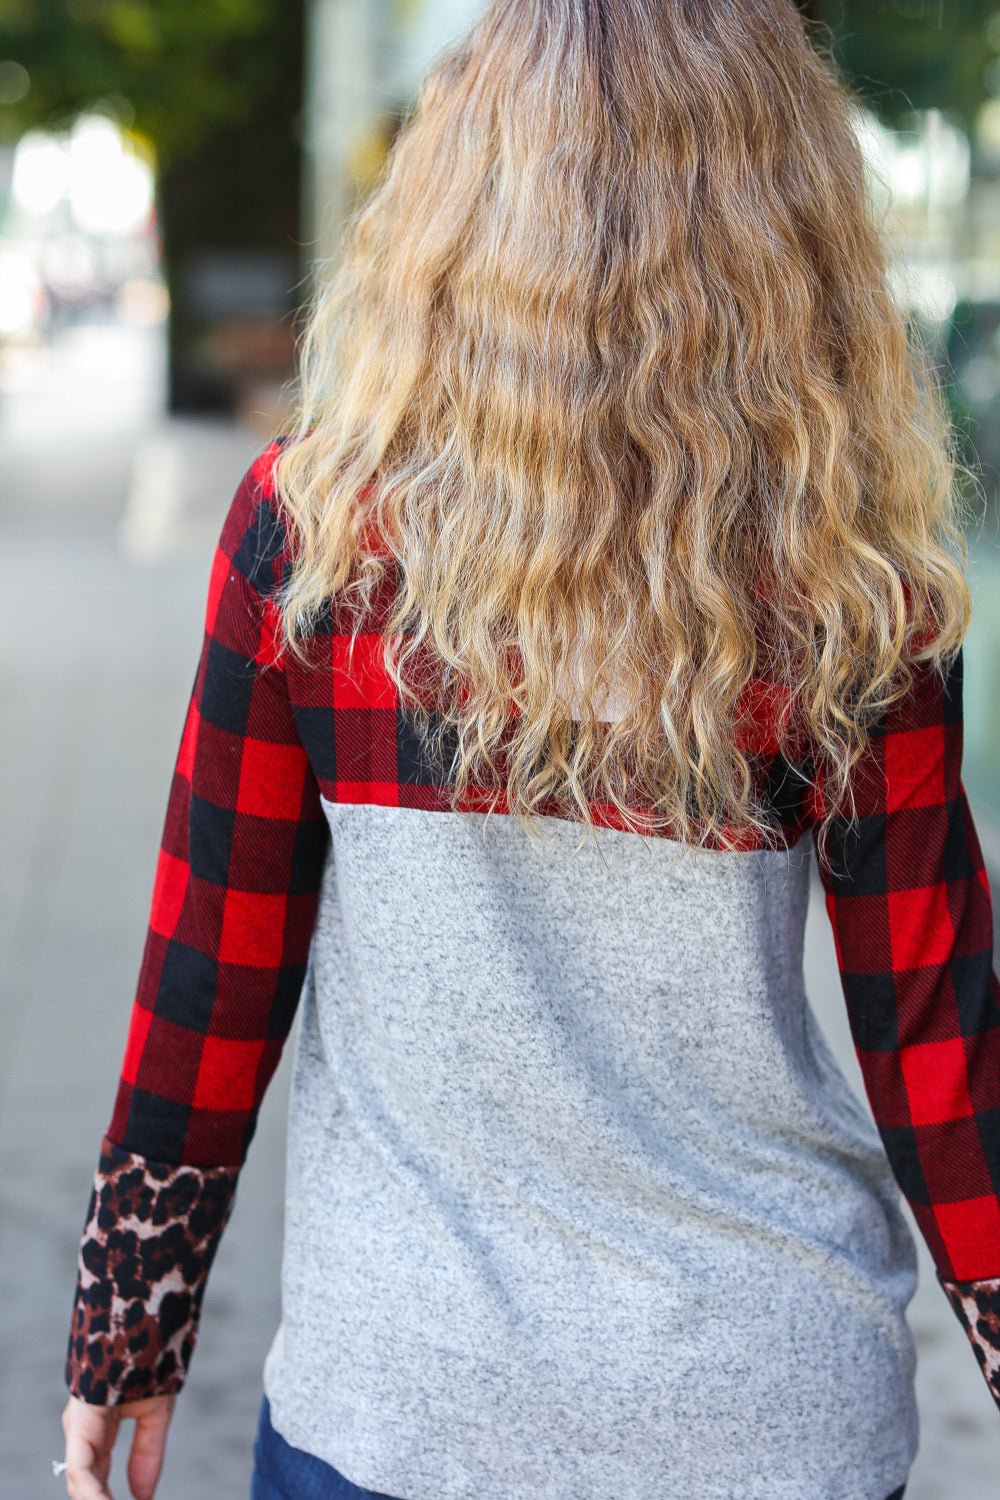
(217, 86)
(184, 67)
(914, 54)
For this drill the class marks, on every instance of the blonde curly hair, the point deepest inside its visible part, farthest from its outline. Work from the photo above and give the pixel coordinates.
(611, 381)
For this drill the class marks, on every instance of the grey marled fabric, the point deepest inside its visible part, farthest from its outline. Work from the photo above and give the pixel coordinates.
(579, 1205)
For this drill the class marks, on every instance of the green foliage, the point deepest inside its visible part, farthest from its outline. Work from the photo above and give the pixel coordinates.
(184, 66)
(903, 55)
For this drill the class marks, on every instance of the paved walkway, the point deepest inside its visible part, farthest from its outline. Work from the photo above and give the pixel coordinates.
(105, 566)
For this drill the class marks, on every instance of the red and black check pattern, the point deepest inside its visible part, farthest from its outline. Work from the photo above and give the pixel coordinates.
(245, 842)
(908, 897)
(237, 881)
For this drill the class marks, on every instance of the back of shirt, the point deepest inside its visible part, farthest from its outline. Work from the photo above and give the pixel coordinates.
(576, 1189)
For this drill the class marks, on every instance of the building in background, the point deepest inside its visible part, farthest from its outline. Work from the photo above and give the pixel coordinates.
(199, 100)
(365, 59)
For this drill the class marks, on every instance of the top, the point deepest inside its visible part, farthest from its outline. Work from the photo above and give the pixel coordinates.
(576, 1190)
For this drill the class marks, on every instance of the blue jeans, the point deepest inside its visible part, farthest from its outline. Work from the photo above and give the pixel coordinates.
(282, 1472)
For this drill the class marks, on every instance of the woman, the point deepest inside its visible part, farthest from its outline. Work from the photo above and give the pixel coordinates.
(612, 569)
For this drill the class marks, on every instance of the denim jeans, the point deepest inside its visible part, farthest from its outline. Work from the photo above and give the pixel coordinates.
(282, 1472)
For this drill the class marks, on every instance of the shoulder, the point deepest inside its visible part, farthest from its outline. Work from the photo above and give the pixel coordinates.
(253, 544)
(931, 700)
(249, 564)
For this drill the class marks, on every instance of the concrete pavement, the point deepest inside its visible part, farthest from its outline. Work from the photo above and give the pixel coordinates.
(106, 564)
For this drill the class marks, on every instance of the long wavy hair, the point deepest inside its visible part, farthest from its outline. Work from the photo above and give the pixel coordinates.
(612, 384)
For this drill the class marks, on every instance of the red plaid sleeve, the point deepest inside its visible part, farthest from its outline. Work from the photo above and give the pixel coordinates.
(909, 902)
(231, 919)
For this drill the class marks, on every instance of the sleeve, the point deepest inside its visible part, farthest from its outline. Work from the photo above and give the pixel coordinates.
(909, 901)
(231, 919)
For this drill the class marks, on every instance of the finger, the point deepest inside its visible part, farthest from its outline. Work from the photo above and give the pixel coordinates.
(90, 1436)
(145, 1460)
(88, 1489)
(82, 1459)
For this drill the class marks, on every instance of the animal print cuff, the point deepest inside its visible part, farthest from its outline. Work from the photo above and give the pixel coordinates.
(977, 1306)
(148, 1244)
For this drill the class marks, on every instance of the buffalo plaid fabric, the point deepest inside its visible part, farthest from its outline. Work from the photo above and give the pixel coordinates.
(908, 897)
(233, 907)
(909, 902)
(236, 890)
(237, 881)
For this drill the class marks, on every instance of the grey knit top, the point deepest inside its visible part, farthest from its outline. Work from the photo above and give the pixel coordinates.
(579, 1204)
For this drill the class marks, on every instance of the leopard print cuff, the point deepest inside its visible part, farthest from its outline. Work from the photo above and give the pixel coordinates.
(148, 1244)
(977, 1306)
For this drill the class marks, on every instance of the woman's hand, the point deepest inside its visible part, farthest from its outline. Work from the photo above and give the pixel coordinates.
(90, 1437)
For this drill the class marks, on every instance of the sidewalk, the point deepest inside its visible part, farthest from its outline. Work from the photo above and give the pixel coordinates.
(106, 568)
(94, 713)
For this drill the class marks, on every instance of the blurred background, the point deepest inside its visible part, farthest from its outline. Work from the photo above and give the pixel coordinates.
(173, 178)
